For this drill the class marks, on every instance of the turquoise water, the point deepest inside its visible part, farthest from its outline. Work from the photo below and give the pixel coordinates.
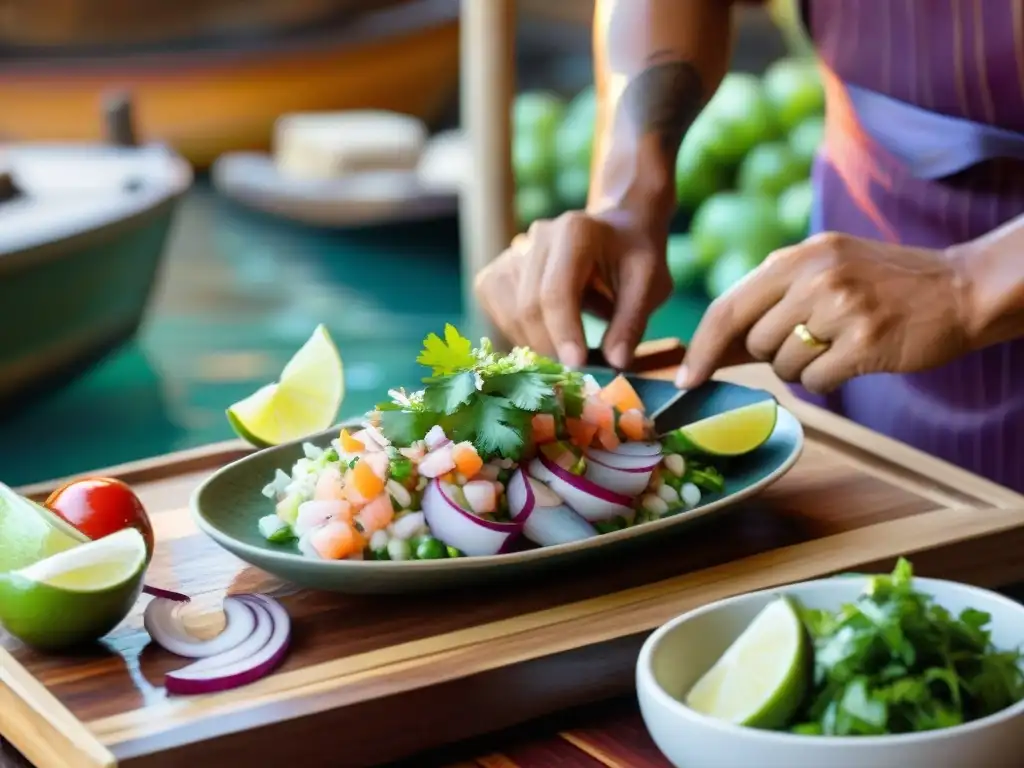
(240, 293)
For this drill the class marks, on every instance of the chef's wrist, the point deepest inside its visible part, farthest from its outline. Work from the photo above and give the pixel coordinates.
(989, 284)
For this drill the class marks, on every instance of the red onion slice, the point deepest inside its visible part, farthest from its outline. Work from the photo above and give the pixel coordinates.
(639, 449)
(165, 594)
(463, 530)
(628, 482)
(207, 676)
(623, 461)
(591, 501)
(521, 498)
(549, 526)
(163, 623)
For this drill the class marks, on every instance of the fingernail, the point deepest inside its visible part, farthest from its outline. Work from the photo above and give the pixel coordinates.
(619, 356)
(571, 355)
(683, 377)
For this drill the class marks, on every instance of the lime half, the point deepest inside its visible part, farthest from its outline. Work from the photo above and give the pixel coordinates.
(75, 596)
(734, 432)
(761, 679)
(29, 532)
(305, 400)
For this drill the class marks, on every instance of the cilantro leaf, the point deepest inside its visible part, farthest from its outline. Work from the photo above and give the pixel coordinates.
(446, 394)
(404, 427)
(451, 355)
(499, 427)
(525, 390)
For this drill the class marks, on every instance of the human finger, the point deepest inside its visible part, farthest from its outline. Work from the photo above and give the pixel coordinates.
(633, 306)
(495, 288)
(576, 243)
(530, 315)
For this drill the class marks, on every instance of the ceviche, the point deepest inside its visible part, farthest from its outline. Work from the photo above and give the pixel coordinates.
(495, 452)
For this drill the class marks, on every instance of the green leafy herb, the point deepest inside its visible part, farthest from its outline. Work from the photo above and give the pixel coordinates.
(893, 661)
(479, 395)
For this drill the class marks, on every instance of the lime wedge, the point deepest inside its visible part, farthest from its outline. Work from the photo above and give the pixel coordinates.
(75, 596)
(30, 532)
(761, 679)
(734, 432)
(305, 400)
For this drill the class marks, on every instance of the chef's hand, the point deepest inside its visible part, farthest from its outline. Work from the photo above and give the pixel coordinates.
(611, 264)
(875, 307)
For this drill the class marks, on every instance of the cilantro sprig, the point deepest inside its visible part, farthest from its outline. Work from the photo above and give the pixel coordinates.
(480, 395)
(894, 661)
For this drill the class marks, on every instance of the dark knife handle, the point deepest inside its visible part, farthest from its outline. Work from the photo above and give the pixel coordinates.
(650, 356)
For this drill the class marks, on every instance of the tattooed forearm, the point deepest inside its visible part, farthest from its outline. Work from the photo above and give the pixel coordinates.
(664, 99)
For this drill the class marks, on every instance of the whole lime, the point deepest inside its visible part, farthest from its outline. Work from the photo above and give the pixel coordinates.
(769, 169)
(739, 117)
(807, 138)
(729, 220)
(537, 113)
(731, 267)
(683, 264)
(793, 87)
(698, 173)
(533, 161)
(532, 203)
(571, 187)
(574, 142)
(794, 210)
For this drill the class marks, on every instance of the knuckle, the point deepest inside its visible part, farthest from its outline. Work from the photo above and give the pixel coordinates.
(758, 348)
(829, 241)
(551, 298)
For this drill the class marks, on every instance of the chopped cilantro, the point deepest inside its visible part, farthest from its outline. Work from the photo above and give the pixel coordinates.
(480, 396)
(893, 661)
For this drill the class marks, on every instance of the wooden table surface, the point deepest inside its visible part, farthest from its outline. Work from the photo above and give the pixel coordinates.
(854, 501)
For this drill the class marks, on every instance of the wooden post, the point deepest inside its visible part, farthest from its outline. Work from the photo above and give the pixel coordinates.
(487, 84)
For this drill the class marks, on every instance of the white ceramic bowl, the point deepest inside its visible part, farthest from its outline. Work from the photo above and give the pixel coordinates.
(678, 653)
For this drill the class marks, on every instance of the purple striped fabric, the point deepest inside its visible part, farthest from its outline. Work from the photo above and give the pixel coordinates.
(962, 58)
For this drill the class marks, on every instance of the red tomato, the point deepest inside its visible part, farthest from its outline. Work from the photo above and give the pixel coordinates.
(100, 506)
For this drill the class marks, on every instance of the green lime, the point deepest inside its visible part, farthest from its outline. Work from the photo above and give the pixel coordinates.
(740, 117)
(793, 87)
(75, 596)
(29, 532)
(769, 168)
(532, 203)
(698, 174)
(728, 269)
(572, 186)
(536, 116)
(807, 137)
(304, 400)
(533, 161)
(683, 264)
(795, 210)
(574, 142)
(761, 679)
(730, 220)
(735, 432)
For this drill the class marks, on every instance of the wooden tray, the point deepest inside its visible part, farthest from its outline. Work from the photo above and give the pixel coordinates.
(375, 679)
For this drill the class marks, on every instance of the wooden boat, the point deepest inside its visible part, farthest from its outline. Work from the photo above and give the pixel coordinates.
(82, 234)
(203, 100)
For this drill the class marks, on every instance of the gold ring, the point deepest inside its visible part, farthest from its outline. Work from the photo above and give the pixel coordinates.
(802, 332)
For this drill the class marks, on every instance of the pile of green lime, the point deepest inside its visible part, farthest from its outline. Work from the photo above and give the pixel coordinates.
(742, 173)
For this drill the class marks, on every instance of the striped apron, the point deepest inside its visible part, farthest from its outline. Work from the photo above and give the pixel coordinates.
(925, 146)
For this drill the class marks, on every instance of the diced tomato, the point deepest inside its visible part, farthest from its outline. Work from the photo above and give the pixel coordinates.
(336, 540)
(619, 394)
(467, 460)
(377, 515)
(581, 433)
(598, 413)
(365, 481)
(349, 444)
(632, 426)
(543, 428)
(608, 439)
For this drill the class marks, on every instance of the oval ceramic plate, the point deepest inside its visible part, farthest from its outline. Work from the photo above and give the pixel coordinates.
(229, 504)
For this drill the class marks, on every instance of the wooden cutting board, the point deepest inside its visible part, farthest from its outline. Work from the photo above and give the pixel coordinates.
(372, 679)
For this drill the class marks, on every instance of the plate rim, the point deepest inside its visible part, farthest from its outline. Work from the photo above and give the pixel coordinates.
(447, 565)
